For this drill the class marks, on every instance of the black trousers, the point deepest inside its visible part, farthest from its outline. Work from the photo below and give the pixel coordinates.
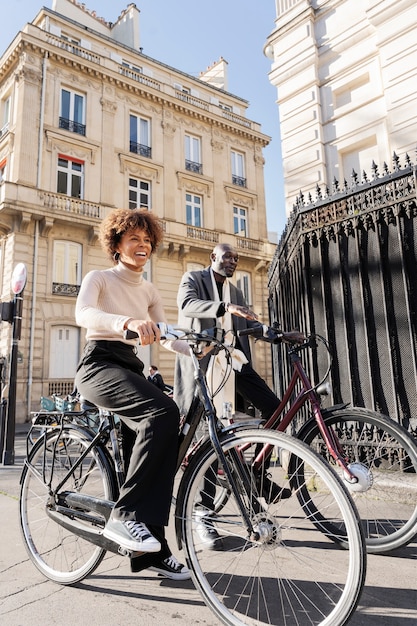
(255, 390)
(111, 376)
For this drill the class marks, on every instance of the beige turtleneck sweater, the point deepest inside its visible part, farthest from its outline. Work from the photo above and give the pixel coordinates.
(108, 298)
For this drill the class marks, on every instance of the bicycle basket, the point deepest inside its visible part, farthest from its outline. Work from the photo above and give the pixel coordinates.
(48, 404)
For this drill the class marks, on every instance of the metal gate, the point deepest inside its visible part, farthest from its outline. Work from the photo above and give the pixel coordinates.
(346, 268)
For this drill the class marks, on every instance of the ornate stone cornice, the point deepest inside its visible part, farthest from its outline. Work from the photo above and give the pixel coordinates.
(241, 196)
(140, 168)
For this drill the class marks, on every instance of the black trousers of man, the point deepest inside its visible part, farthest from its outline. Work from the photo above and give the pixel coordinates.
(255, 390)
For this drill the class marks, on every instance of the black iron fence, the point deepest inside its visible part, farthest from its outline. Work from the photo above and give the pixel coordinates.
(346, 268)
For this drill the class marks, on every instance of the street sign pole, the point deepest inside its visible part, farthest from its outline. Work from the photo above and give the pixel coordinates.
(18, 285)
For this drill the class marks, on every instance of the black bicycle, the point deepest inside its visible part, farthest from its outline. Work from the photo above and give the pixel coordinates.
(277, 564)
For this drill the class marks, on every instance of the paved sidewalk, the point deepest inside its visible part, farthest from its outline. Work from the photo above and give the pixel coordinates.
(112, 595)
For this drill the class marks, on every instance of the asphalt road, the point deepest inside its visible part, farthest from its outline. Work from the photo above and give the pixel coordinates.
(114, 596)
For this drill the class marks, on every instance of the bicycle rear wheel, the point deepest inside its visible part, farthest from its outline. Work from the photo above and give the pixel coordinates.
(383, 455)
(59, 554)
(285, 571)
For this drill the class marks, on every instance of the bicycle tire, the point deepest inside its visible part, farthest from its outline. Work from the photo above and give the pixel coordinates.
(289, 575)
(60, 555)
(385, 455)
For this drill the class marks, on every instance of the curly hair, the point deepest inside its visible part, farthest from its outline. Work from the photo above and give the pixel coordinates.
(120, 221)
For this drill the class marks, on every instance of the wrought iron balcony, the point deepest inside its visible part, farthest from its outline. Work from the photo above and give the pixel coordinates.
(141, 149)
(192, 166)
(194, 232)
(73, 127)
(63, 289)
(238, 180)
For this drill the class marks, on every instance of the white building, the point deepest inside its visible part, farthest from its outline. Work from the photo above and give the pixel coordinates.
(346, 75)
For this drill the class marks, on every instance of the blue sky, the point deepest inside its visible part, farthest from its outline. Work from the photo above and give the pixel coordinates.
(190, 35)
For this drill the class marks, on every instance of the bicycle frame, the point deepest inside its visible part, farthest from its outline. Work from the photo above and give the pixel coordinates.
(307, 393)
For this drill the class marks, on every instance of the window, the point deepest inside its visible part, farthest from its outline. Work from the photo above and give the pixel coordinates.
(240, 221)
(2, 170)
(243, 283)
(66, 275)
(193, 205)
(70, 39)
(140, 138)
(133, 68)
(139, 194)
(238, 169)
(193, 154)
(5, 115)
(72, 116)
(63, 355)
(70, 177)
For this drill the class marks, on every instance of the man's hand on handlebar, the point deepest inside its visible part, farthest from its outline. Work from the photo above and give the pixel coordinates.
(274, 335)
(241, 311)
(294, 336)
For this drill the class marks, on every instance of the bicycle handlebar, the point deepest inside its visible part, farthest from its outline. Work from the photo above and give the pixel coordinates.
(274, 335)
(211, 335)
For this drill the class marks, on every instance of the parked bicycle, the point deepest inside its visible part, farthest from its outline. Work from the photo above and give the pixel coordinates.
(278, 563)
(362, 444)
(54, 409)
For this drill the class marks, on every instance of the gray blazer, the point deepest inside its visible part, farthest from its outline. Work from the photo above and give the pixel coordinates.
(198, 310)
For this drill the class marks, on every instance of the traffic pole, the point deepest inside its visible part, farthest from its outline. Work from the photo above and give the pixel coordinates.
(18, 285)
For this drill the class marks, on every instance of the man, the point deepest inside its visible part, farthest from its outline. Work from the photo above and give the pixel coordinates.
(156, 378)
(206, 298)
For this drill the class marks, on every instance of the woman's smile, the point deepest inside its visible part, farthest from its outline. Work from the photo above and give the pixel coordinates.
(135, 248)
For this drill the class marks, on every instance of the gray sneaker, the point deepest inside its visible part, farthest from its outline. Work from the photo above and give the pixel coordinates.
(207, 532)
(131, 535)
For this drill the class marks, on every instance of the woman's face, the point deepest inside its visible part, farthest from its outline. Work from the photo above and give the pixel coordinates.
(135, 248)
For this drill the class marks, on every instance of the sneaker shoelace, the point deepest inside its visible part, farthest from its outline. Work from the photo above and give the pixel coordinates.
(172, 562)
(138, 530)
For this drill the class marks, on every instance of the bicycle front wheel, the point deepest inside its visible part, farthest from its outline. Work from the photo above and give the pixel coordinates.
(60, 555)
(275, 566)
(383, 456)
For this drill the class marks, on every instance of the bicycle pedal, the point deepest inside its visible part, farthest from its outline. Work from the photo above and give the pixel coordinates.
(129, 553)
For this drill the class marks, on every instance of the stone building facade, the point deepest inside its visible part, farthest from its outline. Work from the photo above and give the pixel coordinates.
(345, 73)
(88, 123)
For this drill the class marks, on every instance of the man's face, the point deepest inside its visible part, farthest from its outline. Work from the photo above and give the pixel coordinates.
(224, 261)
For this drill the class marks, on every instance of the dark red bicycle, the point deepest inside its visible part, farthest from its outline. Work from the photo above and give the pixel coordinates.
(374, 455)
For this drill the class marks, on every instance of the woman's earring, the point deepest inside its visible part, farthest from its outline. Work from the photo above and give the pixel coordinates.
(116, 256)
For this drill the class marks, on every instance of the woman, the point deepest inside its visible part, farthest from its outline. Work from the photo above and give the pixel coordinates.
(111, 376)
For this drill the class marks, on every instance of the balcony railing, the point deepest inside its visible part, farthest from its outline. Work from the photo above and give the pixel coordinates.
(141, 149)
(192, 166)
(203, 235)
(238, 119)
(73, 127)
(73, 48)
(63, 289)
(249, 244)
(60, 202)
(239, 180)
(189, 99)
(140, 78)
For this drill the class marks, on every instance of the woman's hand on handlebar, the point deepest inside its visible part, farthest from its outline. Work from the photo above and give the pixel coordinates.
(147, 331)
